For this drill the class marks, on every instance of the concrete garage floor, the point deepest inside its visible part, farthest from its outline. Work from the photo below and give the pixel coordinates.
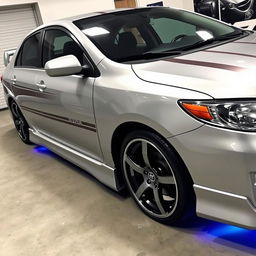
(50, 207)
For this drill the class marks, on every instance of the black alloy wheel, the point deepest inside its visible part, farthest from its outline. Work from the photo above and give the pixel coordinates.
(156, 178)
(20, 123)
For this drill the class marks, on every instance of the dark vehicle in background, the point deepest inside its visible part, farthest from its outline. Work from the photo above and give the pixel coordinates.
(231, 10)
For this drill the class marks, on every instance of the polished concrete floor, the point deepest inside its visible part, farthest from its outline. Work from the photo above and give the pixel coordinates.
(50, 207)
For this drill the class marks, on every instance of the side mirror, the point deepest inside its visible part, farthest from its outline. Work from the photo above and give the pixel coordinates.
(63, 66)
(86, 70)
(8, 55)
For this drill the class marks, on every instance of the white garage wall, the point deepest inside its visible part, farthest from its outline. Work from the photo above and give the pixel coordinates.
(57, 9)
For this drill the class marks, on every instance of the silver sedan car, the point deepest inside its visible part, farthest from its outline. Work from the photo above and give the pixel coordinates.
(158, 100)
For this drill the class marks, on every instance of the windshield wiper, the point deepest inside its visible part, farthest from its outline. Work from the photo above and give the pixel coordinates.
(210, 41)
(149, 55)
(153, 54)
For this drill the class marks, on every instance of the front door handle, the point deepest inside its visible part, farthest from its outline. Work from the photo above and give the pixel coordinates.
(41, 86)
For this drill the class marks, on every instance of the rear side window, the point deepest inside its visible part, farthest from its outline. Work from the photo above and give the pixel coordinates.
(58, 43)
(29, 54)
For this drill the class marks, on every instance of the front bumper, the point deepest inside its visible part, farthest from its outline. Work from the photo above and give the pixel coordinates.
(222, 164)
(225, 207)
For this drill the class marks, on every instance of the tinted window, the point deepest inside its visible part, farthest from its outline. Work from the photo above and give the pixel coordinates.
(58, 43)
(169, 29)
(134, 31)
(29, 55)
(143, 33)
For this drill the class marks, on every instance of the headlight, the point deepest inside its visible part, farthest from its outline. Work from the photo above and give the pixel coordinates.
(238, 115)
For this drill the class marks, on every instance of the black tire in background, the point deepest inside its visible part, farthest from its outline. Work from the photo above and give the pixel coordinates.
(20, 122)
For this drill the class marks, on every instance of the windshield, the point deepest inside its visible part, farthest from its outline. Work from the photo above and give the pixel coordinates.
(149, 33)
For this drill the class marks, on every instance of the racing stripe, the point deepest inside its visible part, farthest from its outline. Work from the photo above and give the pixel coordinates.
(232, 53)
(206, 64)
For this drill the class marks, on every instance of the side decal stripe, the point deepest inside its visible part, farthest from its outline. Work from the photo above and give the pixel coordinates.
(7, 85)
(80, 124)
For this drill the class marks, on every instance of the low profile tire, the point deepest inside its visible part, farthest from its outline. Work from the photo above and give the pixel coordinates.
(20, 123)
(156, 178)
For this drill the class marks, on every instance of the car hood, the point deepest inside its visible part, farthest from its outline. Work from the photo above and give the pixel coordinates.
(226, 71)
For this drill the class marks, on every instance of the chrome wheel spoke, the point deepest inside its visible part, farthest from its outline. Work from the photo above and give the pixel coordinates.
(157, 200)
(22, 131)
(145, 153)
(15, 111)
(141, 189)
(133, 165)
(166, 180)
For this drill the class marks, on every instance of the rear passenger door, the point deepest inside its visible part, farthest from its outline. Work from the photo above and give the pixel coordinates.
(27, 67)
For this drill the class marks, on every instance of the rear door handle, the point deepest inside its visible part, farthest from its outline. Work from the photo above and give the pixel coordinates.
(14, 80)
(41, 86)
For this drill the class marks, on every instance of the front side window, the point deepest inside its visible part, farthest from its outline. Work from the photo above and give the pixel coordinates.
(58, 43)
(29, 54)
(153, 32)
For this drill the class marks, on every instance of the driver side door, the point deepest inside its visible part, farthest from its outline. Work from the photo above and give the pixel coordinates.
(63, 110)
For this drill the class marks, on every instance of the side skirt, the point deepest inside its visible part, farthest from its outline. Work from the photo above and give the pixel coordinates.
(99, 170)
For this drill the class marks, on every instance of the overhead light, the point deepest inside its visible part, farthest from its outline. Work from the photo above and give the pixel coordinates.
(95, 31)
(205, 35)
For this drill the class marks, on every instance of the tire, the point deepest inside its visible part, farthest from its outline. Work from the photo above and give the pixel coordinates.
(156, 178)
(20, 123)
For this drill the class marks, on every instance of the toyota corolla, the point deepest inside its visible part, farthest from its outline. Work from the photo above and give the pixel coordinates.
(158, 100)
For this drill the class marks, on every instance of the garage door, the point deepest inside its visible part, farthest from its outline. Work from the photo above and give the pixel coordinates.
(15, 24)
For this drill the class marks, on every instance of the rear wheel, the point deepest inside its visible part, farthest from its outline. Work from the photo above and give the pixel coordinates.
(20, 123)
(156, 178)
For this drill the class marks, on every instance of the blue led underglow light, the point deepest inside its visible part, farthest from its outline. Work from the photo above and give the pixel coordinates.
(222, 230)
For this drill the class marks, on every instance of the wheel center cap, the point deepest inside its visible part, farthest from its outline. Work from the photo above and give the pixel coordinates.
(151, 176)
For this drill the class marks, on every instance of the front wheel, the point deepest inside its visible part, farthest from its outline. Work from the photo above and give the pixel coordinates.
(156, 178)
(20, 123)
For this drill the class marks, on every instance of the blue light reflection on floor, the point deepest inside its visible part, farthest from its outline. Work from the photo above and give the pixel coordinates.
(41, 150)
(227, 235)
(222, 230)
